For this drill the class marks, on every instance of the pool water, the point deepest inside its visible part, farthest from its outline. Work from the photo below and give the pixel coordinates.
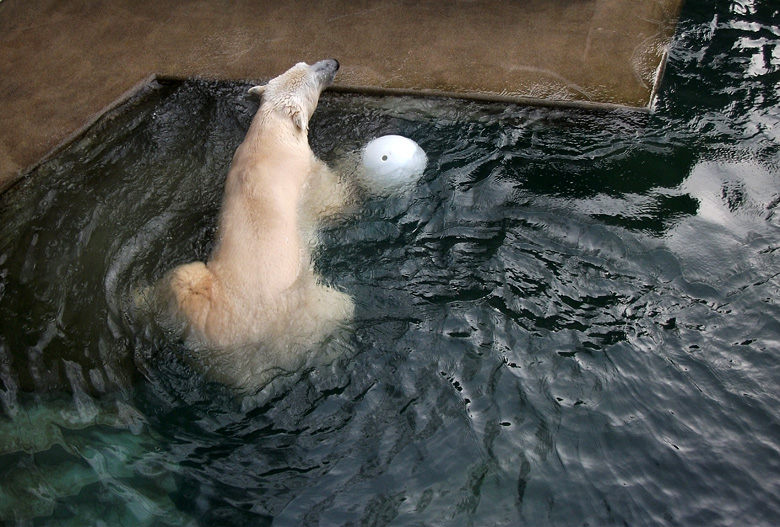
(573, 319)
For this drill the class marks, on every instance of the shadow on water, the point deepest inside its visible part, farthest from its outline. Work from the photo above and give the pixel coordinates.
(573, 319)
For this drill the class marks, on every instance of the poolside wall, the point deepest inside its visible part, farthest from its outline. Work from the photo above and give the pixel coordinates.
(62, 64)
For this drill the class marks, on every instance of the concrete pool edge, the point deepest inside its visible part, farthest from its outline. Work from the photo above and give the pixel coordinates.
(489, 98)
(63, 64)
(8, 183)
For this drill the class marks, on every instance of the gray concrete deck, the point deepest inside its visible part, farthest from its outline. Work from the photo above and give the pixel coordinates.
(63, 63)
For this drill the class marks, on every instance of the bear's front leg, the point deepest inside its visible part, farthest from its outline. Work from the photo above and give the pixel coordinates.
(327, 195)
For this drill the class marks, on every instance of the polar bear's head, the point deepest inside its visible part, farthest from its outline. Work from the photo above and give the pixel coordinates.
(296, 92)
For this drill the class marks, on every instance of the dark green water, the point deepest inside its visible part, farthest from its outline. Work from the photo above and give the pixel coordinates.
(572, 320)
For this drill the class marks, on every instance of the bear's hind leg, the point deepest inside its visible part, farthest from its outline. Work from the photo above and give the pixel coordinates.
(190, 288)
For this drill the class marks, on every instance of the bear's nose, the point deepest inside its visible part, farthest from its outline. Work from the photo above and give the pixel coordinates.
(330, 65)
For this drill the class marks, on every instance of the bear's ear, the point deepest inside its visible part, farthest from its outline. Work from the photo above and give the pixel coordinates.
(257, 91)
(300, 120)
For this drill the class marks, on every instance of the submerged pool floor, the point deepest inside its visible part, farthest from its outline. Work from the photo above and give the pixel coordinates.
(62, 63)
(573, 318)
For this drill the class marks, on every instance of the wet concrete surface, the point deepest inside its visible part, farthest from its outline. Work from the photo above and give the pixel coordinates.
(63, 63)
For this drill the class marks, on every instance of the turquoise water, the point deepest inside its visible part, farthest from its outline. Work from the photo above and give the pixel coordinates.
(572, 320)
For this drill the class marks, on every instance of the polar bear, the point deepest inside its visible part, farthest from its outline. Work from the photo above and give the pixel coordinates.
(257, 305)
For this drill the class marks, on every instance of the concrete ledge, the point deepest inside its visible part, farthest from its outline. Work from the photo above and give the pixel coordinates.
(63, 63)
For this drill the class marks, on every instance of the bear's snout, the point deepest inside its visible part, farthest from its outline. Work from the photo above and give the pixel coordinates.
(327, 66)
(325, 70)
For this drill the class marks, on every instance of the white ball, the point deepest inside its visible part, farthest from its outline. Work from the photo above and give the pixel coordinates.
(392, 162)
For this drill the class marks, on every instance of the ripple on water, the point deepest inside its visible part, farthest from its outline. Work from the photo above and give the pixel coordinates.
(572, 319)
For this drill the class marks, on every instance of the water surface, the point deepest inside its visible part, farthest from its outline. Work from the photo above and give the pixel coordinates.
(571, 320)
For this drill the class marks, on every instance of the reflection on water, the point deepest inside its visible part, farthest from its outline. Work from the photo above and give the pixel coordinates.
(573, 319)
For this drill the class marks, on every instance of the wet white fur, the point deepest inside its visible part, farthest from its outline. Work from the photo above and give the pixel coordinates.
(256, 305)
